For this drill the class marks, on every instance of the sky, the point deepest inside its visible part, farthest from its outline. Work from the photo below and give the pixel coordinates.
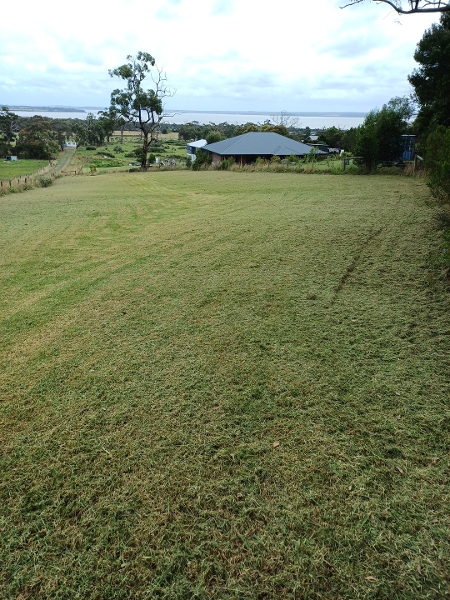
(218, 55)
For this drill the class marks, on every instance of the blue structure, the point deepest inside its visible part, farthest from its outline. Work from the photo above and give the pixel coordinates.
(408, 147)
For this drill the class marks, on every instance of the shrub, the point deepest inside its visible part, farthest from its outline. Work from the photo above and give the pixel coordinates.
(45, 181)
(202, 159)
(438, 163)
(225, 164)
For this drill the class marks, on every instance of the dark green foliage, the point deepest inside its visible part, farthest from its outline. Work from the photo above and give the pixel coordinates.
(37, 140)
(95, 131)
(349, 139)
(438, 163)
(379, 137)
(431, 81)
(7, 121)
(333, 136)
(45, 181)
(202, 159)
(225, 164)
(5, 149)
(213, 136)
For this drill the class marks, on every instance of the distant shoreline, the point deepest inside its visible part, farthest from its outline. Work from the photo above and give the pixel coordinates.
(287, 113)
(44, 108)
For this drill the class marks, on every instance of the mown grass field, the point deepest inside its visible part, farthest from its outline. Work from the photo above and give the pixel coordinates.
(223, 385)
(12, 169)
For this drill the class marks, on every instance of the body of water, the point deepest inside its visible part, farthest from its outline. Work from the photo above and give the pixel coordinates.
(314, 120)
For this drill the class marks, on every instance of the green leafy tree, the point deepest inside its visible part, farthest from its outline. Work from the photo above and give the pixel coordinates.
(276, 128)
(307, 134)
(62, 129)
(37, 140)
(7, 121)
(349, 139)
(190, 132)
(438, 163)
(213, 136)
(380, 136)
(332, 136)
(107, 122)
(79, 133)
(143, 108)
(431, 81)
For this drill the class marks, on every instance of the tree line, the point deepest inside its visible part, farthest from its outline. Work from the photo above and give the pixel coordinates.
(378, 139)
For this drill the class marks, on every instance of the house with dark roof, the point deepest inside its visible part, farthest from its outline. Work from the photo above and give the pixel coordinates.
(246, 148)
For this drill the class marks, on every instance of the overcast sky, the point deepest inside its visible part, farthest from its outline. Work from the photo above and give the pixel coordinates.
(249, 55)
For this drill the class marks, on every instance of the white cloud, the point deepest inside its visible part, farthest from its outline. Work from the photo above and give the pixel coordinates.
(218, 54)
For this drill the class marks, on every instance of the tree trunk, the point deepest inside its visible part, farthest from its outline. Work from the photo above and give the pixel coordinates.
(144, 151)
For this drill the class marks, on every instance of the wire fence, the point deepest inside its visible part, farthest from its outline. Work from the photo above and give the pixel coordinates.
(52, 170)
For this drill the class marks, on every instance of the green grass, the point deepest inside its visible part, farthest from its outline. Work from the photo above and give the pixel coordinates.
(13, 169)
(170, 148)
(223, 385)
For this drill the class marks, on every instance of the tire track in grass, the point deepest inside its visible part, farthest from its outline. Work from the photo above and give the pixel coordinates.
(352, 266)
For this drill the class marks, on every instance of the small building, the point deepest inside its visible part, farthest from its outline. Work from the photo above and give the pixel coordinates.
(11, 158)
(246, 148)
(191, 148)
(408, 147)
(69, 145)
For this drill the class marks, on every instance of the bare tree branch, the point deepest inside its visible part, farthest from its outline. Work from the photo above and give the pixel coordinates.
(409, 7)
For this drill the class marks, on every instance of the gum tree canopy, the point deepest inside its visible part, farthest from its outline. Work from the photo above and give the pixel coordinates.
(431, 80)
(136, 105)
(409, 7)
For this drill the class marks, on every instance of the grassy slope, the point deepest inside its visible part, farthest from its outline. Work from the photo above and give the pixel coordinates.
(221, 385)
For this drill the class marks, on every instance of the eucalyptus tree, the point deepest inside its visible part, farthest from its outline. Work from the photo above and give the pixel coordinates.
(431, 80)
(409, 7)
(7, 121)
(144, 108)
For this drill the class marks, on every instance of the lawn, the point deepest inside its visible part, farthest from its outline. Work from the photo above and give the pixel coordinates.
(223, 385)
(13, 169)
(119, 155)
